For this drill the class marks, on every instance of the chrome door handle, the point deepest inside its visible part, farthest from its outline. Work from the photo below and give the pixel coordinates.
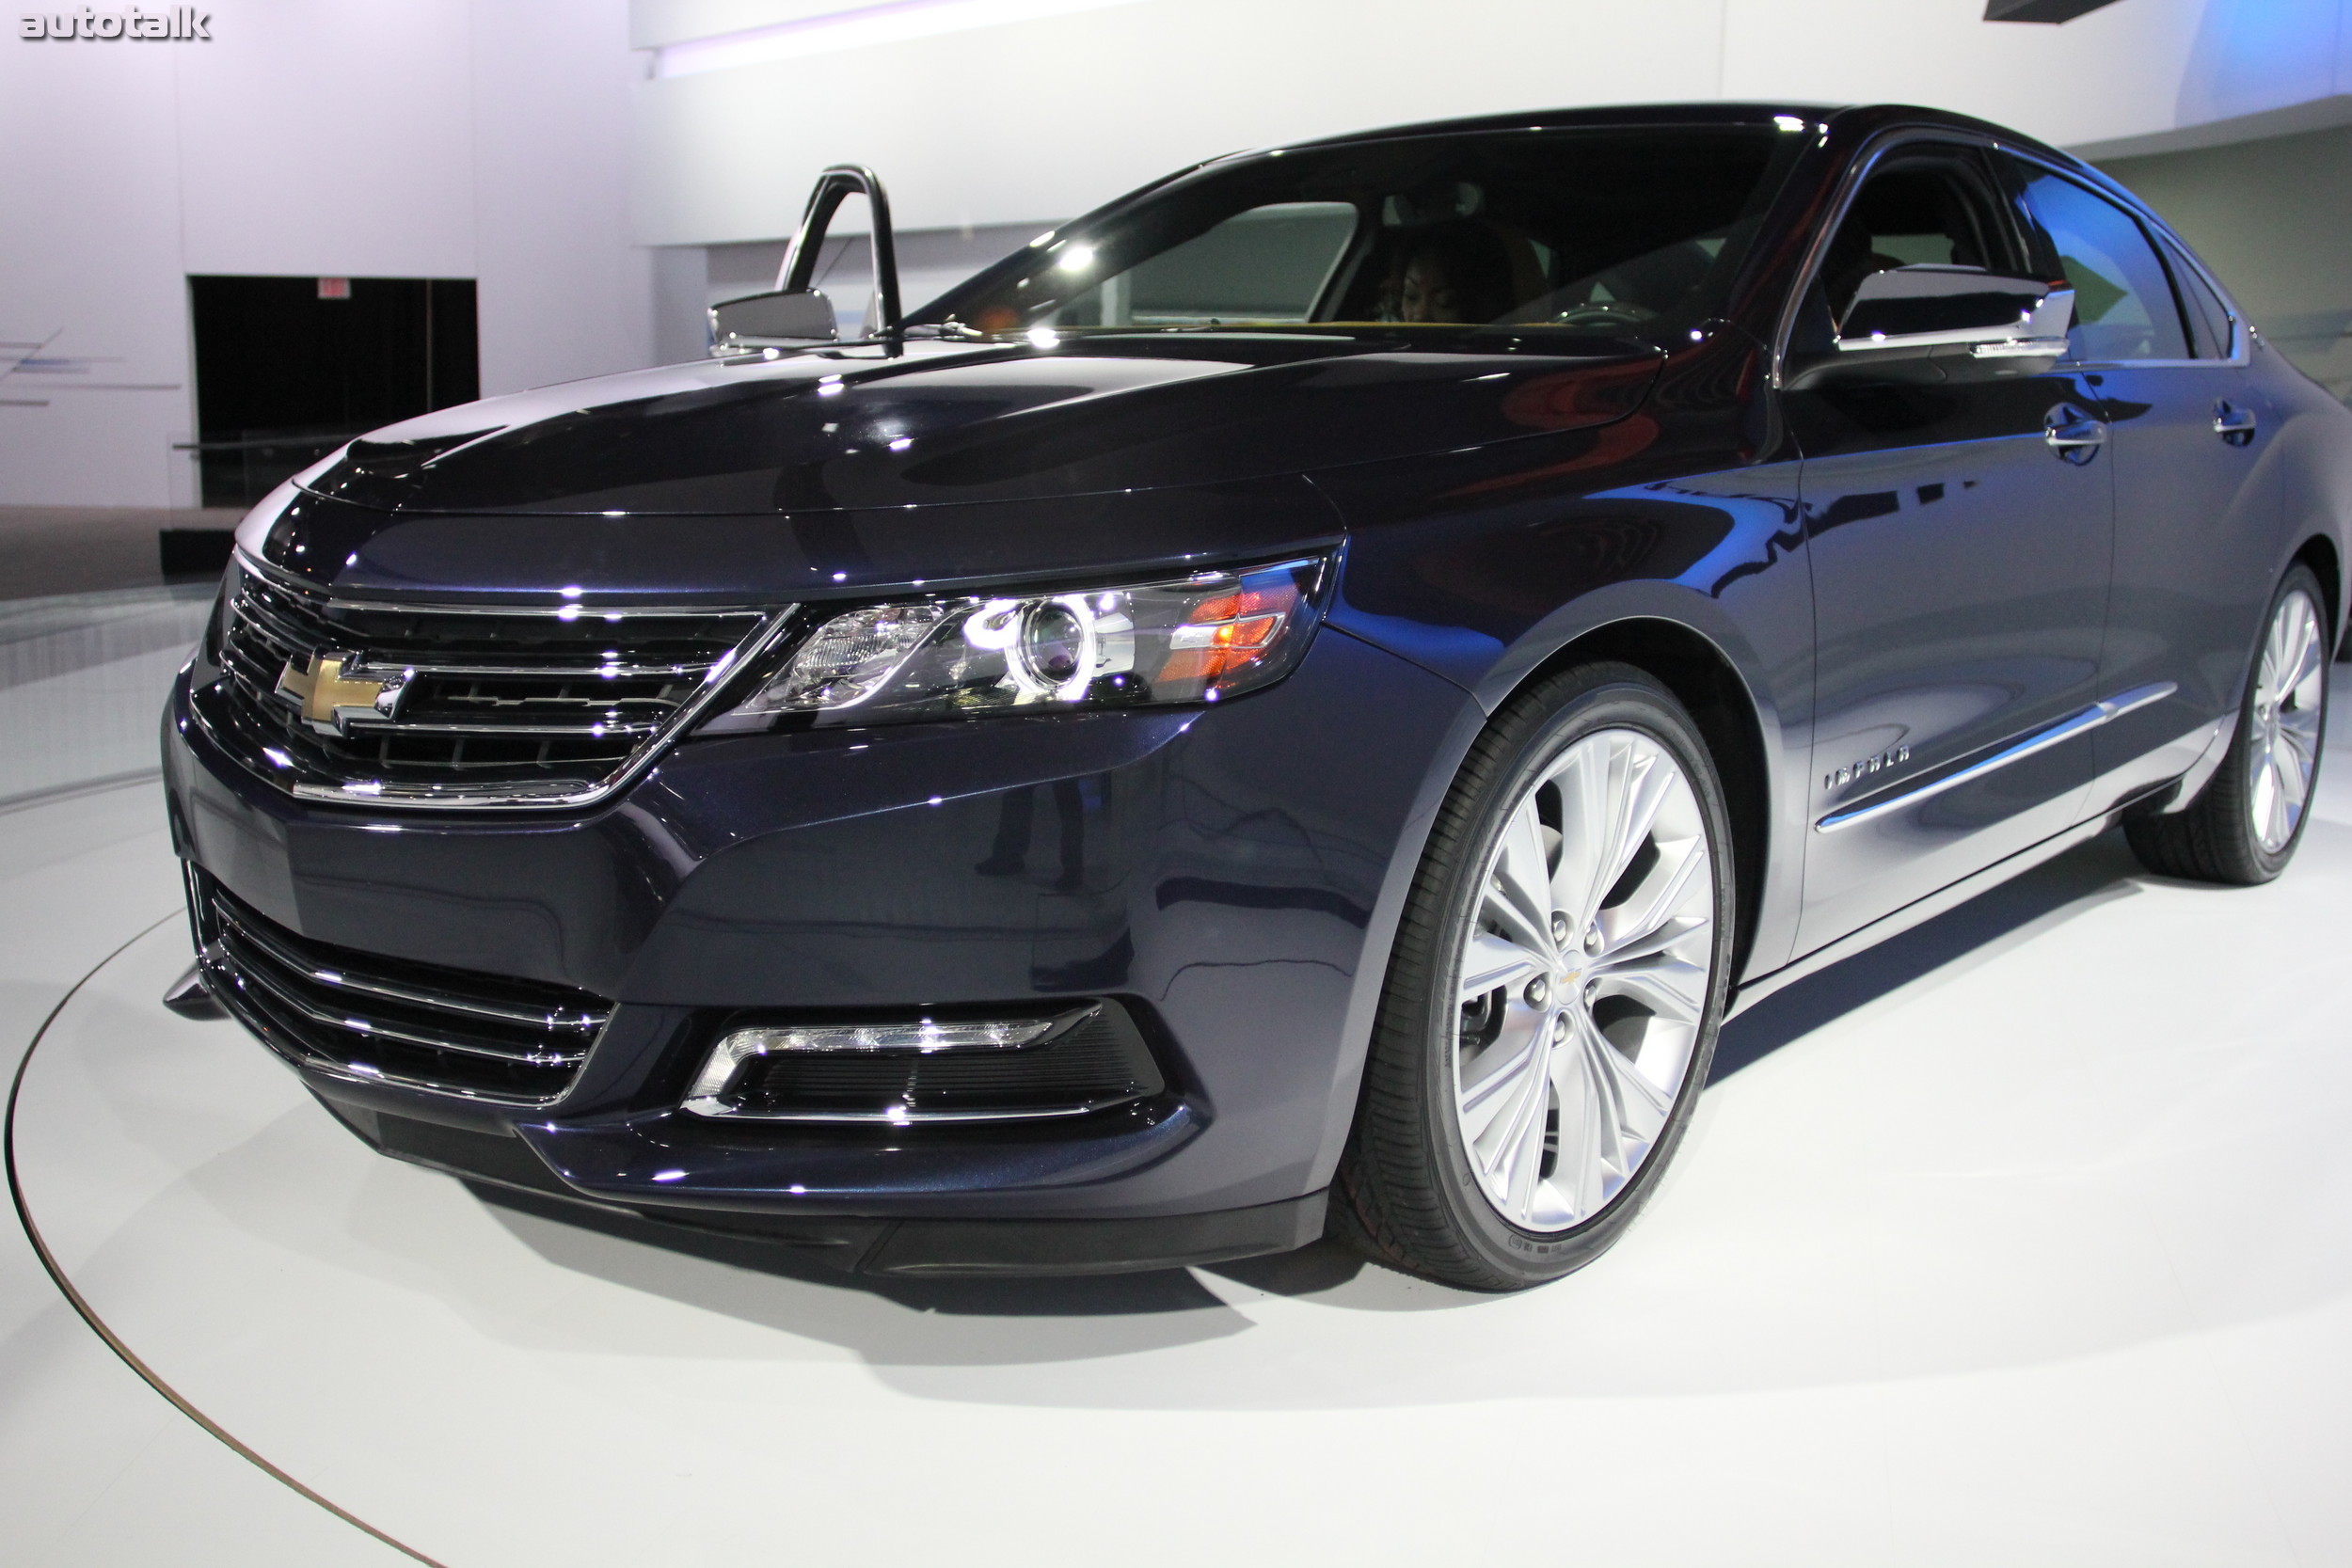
(2233, 424)
(2072, 434)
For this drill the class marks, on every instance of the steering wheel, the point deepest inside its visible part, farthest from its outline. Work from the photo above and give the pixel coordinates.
(1616, 313)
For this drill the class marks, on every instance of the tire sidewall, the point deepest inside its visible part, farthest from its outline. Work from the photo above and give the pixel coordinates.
(1550, 721)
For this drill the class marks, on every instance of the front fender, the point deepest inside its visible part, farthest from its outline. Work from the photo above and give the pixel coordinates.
(1490, 572)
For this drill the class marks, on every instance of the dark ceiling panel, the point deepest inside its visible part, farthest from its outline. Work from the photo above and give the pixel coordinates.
(2039, 10)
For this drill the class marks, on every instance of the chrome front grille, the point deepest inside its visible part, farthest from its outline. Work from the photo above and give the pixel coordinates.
(364, 1017)
(438, 705)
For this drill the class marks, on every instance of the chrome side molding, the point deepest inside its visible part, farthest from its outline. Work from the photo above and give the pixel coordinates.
(2105, 710)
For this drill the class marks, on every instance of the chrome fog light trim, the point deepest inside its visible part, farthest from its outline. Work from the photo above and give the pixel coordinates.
(922, 1036)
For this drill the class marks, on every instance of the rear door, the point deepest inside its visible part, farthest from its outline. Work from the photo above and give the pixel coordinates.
(1960, 565)
(2195, 507)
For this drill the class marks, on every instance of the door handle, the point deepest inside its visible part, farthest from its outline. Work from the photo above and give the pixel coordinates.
(2233, 424)
(2073, 434)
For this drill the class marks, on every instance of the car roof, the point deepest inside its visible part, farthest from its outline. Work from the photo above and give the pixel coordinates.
(1704, 113)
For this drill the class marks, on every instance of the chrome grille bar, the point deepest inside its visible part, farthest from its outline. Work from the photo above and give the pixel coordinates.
(581, 1021)
(525, 705)
(367, 1019)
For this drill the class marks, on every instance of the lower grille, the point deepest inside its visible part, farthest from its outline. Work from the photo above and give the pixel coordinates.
(1100, 1062)
(387, 1021)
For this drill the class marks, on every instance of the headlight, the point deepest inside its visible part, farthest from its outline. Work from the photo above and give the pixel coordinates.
(1197, 640)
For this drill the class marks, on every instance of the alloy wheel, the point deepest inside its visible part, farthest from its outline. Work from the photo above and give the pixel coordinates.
(1583, 978)
(2289, 692)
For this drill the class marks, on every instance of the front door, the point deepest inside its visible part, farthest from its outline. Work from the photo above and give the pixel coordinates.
(1962, 537)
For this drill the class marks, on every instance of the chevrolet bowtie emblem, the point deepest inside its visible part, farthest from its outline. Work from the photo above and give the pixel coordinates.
(329, 698)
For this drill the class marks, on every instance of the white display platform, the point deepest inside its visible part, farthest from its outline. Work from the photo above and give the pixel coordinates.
(2028, 1241)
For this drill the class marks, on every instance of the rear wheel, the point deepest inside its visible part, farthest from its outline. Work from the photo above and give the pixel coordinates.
(2244, 828)
(1553, 996)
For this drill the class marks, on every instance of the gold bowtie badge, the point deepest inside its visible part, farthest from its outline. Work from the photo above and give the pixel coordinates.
(329, 698)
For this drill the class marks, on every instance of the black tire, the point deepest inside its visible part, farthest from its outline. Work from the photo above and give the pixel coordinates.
(1404, 1192)
(2214, 839)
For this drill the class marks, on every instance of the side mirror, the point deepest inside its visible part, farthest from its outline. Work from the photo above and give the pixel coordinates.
(739, 324)
(1932, 323)
(796, 312)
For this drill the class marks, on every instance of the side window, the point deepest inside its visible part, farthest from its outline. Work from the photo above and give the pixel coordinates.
(2124, 305)
(2209, 324)
(1915, 207)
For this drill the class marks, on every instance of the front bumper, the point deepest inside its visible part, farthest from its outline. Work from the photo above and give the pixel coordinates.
(1231, 876)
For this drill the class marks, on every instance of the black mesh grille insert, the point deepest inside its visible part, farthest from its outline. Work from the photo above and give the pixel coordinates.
(1100, 1061)
(453, 700)
(370, 1018)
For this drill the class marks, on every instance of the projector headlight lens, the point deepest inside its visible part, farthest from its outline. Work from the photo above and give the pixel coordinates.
(1199, 639)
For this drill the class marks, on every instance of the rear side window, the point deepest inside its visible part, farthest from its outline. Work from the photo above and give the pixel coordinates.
(2124, 305)
(2208, 318)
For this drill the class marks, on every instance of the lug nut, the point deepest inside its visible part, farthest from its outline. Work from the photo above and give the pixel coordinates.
(1559, 928)
(1538, 992)
(1592, 939)
(1559, 1029)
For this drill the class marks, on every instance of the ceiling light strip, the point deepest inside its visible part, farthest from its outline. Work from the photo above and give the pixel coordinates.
(856, 27)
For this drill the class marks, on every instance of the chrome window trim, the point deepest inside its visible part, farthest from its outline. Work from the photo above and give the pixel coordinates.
(1850, 185)
(2170, 248)
(768, 626)
(2107, 710)
(2169, 243)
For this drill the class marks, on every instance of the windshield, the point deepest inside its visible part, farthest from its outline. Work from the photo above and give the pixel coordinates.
(1601, 231)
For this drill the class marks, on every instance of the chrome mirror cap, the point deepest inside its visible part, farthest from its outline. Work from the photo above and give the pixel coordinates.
(1944, 324)
(793, 316)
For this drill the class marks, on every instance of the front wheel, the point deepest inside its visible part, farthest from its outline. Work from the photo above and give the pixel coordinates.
(1552, 999)
(2244, 828)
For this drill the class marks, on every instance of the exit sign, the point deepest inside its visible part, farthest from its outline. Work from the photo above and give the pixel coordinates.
(334, 287)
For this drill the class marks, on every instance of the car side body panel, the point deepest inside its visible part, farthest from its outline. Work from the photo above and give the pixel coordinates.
(1485, 566)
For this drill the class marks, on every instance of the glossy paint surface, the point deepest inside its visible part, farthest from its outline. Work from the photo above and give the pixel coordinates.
(941, 423)
(2197, 552)
(1904, 573)
(1225, 869)
(1961, 574)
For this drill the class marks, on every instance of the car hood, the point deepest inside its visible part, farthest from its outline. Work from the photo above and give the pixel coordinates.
(849, 428)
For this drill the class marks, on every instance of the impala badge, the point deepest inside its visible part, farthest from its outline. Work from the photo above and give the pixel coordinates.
(329, 698)
(1894, 756)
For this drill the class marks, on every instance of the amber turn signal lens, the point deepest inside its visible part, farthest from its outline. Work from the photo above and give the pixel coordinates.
(1225, 634)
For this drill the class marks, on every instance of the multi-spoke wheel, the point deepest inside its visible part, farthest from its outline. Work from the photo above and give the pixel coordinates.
(1583, 979)
(2290, 705)
(2244, 827)
(1553, 1001)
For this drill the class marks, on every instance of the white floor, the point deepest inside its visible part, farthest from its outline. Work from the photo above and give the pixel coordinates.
(2026, 1240)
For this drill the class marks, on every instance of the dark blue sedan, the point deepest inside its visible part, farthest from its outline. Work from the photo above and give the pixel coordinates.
(1295, 702)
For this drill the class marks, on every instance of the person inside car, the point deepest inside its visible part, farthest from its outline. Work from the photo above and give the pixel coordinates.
(1455, 271)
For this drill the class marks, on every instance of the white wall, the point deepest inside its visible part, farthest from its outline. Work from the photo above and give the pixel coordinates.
(402, 138)
(521, 143)
(2274, 218)
(90, 276)
(1038, 119)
